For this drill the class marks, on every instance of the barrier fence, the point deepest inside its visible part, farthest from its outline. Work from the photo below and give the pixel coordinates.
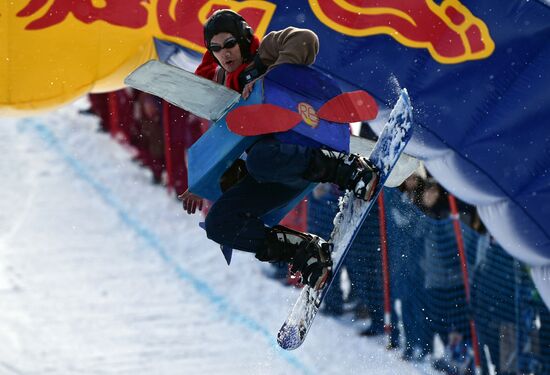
(428, 294)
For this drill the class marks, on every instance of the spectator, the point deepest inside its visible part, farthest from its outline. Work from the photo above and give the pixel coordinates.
(413, 187)
(184, 129)
(150, 137)
(125, 114)
(99, 105)
(434, 200)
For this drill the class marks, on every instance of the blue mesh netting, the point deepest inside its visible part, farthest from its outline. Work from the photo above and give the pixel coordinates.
(513, 324)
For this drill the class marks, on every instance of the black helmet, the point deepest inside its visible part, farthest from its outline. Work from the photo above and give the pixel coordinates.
(228, 21)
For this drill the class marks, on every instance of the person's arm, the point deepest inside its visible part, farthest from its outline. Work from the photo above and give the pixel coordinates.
(288, 46)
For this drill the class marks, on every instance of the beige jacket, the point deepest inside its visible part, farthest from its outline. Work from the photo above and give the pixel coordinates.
(289, 46)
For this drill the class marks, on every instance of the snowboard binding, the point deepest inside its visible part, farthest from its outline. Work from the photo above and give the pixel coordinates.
(365, 179)
(308, 254)
(348, 171)
(314, 263)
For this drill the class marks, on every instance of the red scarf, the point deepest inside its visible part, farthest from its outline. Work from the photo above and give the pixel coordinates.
(208, 67)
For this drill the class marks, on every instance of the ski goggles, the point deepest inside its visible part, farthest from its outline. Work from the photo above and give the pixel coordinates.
(229, 43)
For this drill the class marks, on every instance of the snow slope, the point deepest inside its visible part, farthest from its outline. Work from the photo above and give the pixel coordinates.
(103, 273)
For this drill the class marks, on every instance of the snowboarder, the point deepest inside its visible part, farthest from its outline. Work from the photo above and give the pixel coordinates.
(277, 168)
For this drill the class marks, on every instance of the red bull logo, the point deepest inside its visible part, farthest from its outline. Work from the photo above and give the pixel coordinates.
(180, 19)
(184, 19)
(449, 31)
(128, 13)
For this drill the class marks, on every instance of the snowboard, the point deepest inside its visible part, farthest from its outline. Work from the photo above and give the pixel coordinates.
(348, 221)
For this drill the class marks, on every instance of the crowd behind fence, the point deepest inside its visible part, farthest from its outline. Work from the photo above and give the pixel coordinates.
(424, 295)
(426, 286)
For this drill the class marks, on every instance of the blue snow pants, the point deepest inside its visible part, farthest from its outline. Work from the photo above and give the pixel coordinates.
(275, 178)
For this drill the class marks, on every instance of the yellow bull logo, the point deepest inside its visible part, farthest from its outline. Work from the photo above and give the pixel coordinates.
(449, 31)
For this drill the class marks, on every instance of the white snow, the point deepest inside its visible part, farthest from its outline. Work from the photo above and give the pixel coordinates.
(103, 273)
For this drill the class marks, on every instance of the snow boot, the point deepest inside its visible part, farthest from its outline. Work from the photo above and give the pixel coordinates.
(348, 171)
(307, 253)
